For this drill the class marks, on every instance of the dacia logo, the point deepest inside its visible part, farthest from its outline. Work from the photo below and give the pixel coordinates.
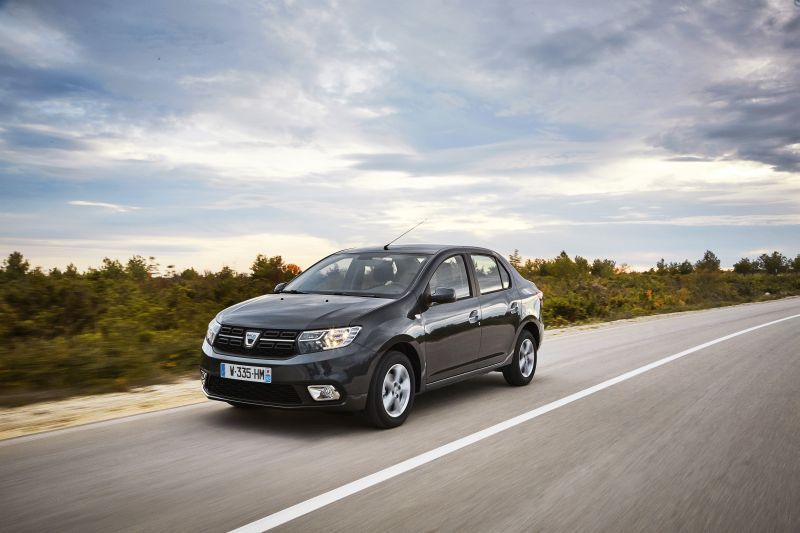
(250, 338)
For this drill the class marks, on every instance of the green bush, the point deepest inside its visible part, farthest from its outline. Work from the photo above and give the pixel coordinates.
(112, 327)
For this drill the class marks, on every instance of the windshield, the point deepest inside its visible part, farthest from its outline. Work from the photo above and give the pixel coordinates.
(380, 274)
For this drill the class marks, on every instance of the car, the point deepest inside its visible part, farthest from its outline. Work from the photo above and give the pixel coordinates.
(368, 329)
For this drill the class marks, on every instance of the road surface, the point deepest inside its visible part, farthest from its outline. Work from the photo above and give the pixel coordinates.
(707, 442)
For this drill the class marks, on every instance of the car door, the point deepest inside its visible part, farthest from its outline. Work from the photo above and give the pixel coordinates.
(498, 311)
(452, 330)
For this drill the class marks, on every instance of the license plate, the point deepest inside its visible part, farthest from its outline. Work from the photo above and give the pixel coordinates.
(261, 374)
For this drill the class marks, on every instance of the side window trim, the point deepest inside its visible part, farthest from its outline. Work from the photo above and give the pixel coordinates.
(467, 269)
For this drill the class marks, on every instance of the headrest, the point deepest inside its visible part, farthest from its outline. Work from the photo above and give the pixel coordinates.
(383, 272)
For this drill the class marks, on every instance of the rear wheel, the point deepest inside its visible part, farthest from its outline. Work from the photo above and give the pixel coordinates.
(523, 365)
(391, 393)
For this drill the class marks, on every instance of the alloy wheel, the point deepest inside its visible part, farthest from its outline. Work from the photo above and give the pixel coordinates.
(527, 358)
(396, 390)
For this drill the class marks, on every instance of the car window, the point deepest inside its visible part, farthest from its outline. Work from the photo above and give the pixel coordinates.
(452, 274)
(505, 279)
(488, 273)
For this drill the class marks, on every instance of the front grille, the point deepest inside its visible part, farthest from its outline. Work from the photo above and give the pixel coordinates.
(276, 343)
(274, 393)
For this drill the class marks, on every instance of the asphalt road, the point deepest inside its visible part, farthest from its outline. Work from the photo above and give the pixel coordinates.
(708, 442)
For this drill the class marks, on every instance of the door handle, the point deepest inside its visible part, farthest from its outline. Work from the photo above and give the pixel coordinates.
(473, 316)
(513, 308)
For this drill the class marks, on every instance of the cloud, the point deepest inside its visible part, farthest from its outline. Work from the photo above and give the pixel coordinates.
(514, 125)
(32, 41)
(114, 208)
(18, 137)
(753, 120)
(576, 47)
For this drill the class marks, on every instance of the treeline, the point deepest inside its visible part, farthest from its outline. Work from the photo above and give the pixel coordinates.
(577, 290)
(123, 324)
(564, 266)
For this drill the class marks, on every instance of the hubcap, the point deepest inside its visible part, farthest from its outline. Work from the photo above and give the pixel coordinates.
(527, 358)
(396, 390)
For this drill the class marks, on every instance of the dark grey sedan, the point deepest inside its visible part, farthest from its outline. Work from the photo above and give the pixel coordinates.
(367, 329)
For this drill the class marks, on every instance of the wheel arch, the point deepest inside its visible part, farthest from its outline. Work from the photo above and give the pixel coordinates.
(406, 346)
(533, 327)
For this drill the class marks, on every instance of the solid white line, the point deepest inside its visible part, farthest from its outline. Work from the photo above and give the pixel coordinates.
(317, 502)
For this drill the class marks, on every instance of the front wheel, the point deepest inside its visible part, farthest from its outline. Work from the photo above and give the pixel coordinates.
(391, 393)
(523, 365)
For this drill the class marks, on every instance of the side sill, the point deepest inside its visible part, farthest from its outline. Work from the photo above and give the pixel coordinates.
(466, 375)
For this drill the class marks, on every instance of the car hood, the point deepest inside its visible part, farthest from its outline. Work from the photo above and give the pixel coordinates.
(299, 311)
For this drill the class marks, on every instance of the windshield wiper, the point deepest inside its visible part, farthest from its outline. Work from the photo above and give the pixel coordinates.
(292, 291)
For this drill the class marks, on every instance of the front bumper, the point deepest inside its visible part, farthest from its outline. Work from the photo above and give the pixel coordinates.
(347, 369)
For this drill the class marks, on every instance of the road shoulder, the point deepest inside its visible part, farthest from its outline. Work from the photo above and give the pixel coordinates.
(80, 410)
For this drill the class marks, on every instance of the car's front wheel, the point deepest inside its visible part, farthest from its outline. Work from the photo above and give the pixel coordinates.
(523, 365)
(391, 392)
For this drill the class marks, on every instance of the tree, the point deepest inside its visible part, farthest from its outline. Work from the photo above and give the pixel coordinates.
(137, 268)
(112, 269)
(515, 259)
(269, 271)
(603, 268)
(561, 267)
(661, 266)
(16, 265)
(582, 265)
(774, 263)
(685, 268)
(744, 266)
(268, 268)
(189, 274)
(796, 264)
(709, 262)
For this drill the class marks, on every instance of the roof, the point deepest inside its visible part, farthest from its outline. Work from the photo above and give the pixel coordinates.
(415, 248)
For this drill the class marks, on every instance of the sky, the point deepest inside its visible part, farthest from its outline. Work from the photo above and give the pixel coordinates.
(205, 133)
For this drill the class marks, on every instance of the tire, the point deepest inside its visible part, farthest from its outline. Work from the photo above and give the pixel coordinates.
(391, 392)
(523, 365)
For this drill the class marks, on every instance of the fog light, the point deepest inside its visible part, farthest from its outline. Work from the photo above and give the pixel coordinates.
(323, 393)
(203, 377)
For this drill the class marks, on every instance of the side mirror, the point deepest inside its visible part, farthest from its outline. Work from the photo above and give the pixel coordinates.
(279, 287)
(442, 295)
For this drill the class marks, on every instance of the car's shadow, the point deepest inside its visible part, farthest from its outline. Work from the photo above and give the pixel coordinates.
(322, 424)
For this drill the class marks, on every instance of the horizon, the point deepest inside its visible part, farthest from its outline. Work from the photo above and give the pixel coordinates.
(208, 134)
(164, 268)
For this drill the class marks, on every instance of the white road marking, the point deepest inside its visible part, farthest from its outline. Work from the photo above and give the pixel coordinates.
(317, 502)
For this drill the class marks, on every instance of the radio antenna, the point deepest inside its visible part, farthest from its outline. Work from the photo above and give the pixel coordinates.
(407, 231)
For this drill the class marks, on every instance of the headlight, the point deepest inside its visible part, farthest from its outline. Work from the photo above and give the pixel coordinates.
(326, 339)
(213, 329)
